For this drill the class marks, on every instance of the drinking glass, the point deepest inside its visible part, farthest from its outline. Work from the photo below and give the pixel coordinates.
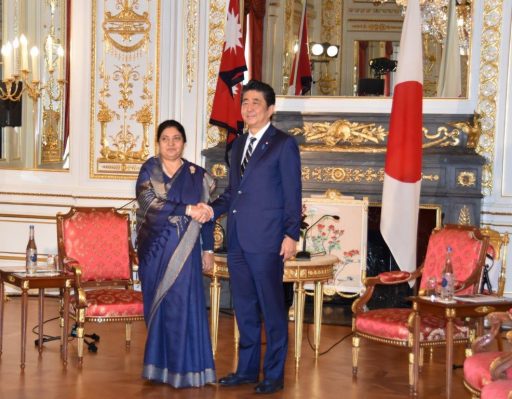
(430, 290)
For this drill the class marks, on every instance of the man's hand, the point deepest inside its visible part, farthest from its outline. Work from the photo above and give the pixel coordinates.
(207, 261)
(288, 248)
(201, 213)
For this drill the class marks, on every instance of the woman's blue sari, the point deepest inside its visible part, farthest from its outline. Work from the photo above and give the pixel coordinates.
(178, 348)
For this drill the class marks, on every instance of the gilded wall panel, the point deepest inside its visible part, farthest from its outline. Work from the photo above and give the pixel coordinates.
(124, 85)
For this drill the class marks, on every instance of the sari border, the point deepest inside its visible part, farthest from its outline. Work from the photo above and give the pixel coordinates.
(179, 380)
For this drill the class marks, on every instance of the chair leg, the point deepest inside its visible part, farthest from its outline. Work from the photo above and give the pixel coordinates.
(355, 353)
(80, 345)
(80, 321)
(411, 370)
(421, 360)
(128, 328)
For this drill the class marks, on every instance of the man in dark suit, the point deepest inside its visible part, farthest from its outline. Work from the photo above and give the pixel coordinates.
(263, 202)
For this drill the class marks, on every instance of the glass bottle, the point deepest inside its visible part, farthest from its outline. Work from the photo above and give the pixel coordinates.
(31, 254)
(447, 282)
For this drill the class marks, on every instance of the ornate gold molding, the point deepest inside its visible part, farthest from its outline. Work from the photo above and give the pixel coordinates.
(219, 170)
(192, 50)
(465, 216)
(345, 136)
(488, 86)
(466, 179)
(342, 174)
(124, 94)
(127, 33)
(216, 21)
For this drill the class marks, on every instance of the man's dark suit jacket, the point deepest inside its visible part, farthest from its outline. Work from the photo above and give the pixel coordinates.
(265, 204)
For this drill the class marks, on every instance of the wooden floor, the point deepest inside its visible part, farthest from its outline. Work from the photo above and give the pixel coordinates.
(113, 373)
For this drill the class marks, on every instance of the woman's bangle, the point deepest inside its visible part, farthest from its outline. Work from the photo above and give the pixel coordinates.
(210, 251)
(187, 210)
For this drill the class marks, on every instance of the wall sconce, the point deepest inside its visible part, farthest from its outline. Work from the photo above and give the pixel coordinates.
(328, 49)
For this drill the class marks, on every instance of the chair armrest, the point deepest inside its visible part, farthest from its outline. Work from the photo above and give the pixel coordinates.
(72, 266)
(385, 278)
(500, 366)
(496, 319)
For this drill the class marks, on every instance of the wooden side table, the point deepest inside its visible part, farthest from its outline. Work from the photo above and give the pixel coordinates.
(317, 270)
(39, 281)
(450, 311)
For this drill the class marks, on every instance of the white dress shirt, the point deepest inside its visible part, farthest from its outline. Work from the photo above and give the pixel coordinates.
(258, 137)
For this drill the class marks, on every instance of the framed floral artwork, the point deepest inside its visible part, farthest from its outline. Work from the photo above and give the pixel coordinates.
(337, 225)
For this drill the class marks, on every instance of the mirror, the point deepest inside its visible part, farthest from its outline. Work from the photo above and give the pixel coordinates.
(366, 34)
(33, 91)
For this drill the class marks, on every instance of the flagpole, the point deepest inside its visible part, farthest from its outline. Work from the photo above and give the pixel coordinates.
(297, 56)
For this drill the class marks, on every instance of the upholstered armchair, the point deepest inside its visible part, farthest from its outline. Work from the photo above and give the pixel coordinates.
(395, 326)
(94, 244)
(489, 374)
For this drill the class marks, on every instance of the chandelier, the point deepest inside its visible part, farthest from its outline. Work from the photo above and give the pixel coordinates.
(435, 19)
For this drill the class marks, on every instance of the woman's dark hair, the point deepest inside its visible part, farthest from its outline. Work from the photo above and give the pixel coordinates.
(171, 123)
(268, 92)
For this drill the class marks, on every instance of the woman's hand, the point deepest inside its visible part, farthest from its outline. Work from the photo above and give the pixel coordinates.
(201, 213)
(208, 260)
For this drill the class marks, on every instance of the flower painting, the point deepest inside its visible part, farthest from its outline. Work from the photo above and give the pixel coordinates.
(338, 227)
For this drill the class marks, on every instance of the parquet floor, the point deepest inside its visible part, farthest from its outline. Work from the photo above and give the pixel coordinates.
(113, 373)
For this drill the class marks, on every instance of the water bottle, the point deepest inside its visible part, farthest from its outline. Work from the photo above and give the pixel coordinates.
(31, 254)
(447, 281)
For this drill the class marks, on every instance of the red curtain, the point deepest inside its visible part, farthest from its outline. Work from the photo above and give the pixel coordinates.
(363, 62)
(256, 11)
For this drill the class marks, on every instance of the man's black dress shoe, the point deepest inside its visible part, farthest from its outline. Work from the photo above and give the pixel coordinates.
(269, 386)
(235, 379)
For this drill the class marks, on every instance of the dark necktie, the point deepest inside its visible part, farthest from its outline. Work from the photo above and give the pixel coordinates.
(247, 156)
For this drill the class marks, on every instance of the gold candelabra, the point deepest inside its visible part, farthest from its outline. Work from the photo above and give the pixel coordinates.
(14, 86)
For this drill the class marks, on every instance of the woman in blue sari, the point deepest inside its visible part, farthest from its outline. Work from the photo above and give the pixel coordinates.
(178, 348)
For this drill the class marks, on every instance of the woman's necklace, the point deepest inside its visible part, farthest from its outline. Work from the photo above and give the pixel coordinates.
(171, 171)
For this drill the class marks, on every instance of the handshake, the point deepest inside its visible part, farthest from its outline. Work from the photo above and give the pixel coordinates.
(201, 212)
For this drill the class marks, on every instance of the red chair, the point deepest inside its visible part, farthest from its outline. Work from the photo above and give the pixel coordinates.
(95, 245)
(395, 326)
(489, 374)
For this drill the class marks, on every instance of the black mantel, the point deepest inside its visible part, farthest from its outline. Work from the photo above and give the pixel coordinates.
(452, 170)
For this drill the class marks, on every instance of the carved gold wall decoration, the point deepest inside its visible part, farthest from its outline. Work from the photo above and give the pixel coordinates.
(219, 170)
(342, 174)
(192, 50)
(126, 33)
(50, 142)
(341, 131)
(216, 21)
(345, 136)
(473, 130)
(124, 97)
(465, 216)
(442, 137)
(466, 179)
(430, 177)
(488, 86)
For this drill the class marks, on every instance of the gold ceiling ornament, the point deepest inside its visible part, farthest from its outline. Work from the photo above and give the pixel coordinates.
(488, 87)
(126, 34)
(216, 21)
